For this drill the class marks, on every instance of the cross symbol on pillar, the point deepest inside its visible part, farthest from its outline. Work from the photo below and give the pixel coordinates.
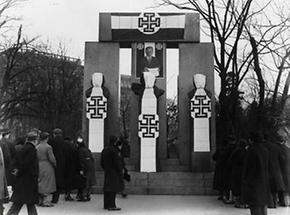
(148, 125)
(149, 23)
(200, 107)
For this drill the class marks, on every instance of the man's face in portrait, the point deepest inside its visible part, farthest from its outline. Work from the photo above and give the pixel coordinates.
(149, 51)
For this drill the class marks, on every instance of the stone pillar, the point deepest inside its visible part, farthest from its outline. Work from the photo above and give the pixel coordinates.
(148, 126)
(136, 110)
(103, 58)
(194, 58)
(96, 113)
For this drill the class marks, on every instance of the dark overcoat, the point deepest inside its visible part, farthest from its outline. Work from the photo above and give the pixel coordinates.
(58, 147)
(25, 189)
(113, 168)
(275, 171)
(286, 168)
(87, 164)
(255, 180)
(217, 180)
(237, 163)
(226, 166)
(9, 154)
(71, 164)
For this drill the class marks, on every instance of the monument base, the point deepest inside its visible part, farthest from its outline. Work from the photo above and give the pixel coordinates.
(164, 183)
(201, 162)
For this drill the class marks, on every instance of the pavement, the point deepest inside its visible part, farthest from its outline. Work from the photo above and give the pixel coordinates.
(150, 204)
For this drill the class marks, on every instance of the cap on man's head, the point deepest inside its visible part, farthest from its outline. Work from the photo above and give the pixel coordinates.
(57, 132)
(31, 136)
(43, 135)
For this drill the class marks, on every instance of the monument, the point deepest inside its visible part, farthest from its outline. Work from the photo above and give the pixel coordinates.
(149, 35)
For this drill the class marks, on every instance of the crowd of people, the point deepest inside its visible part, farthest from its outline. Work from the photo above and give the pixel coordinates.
(250, 173)
(40, 166)
(253, 173)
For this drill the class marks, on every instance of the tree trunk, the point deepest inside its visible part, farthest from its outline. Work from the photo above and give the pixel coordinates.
(261, 81)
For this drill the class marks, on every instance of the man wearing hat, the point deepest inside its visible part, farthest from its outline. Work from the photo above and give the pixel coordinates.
(25, 187)
(58, 147)
(255, 177)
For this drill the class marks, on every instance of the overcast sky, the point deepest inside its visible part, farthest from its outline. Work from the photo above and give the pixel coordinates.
(72, 21)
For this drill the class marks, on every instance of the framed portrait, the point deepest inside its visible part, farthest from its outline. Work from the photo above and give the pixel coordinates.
(149, 58)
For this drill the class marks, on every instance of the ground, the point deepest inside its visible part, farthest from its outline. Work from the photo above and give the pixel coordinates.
(137, 204)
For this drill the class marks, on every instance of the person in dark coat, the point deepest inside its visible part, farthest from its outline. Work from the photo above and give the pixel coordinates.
(218, 173)
(113, 168)
(285, 164)
(121, 152)
(25, 188)
(275, 173)
(255, 180)
(71, 162)
(58, 147)
(226, 169)
(9, 152)
(236, 167)
(87, 169)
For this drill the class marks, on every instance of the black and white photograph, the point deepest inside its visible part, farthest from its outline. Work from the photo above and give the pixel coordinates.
(160, 107)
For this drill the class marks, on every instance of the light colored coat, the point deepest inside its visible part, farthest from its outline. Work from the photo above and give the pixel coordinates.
(47, 163)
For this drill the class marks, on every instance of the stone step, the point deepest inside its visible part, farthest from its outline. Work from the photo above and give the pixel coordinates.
(167, 183)
(175, 168)
(170, 161)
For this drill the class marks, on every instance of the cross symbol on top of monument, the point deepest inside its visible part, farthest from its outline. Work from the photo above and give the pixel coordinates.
(149, 23)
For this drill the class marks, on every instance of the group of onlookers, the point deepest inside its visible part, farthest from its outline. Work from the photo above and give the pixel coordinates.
(253, 173)
(39, 167)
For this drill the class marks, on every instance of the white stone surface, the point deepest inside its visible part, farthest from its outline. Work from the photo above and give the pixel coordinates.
(150, 205)
(96, 113)
(131, 22)
(148, 126)
(200, 112)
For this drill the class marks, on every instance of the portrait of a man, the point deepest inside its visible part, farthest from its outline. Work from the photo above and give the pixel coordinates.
(149, 59)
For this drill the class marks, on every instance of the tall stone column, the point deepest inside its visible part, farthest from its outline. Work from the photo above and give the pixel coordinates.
(96, 113)
(135, 106)
(148, 126)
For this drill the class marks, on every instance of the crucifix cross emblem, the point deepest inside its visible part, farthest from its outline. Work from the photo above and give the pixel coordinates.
(149, 23)
(97, 107)
(148, 125)
(200, 107)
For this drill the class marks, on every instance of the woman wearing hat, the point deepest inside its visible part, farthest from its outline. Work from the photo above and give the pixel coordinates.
(47, 163)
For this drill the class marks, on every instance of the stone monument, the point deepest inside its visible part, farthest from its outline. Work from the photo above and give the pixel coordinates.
(148, 126)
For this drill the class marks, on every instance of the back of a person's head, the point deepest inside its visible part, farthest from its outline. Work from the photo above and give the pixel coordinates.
(31, 136)
(20, 140)
(43, 135)
(57, 132)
